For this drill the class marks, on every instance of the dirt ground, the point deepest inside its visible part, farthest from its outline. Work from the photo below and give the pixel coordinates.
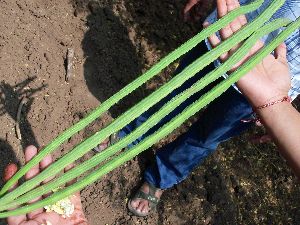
(114, 42)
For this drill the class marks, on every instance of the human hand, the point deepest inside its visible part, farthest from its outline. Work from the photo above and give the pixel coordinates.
(189, 10)
(39, 216)
(270, 79)
(196, 10)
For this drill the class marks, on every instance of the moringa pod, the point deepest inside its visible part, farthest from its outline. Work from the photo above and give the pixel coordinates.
(163, 131)
(152, 121)
(106, 105)
(144, 104)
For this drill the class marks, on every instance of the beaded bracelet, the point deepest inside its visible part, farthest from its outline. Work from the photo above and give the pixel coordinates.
(284, 99)
(256, 118)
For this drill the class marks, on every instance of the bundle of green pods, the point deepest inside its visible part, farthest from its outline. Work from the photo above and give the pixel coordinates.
(249, 35)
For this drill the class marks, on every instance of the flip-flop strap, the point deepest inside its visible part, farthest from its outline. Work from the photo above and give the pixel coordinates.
(153, 201)
(150, 197)
(153, 190)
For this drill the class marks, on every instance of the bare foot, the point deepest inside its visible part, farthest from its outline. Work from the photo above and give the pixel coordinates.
(142, 205)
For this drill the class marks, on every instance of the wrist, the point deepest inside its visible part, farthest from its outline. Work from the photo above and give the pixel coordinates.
(268, 114)
(259, 101)
(265, 109)
(274, 102)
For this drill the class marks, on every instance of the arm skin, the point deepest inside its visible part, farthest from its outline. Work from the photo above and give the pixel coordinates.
(269, 81)
(283, 123)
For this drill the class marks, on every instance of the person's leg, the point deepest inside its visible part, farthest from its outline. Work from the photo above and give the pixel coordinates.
(219, 122)
(187, 60)
(174, 162)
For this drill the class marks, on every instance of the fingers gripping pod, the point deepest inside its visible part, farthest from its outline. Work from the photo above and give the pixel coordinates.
(106, 105)
(147, 142)
(165, 130)
(152, 121)
(143, 105)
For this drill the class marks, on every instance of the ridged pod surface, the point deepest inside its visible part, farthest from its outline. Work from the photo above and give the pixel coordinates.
(165, 130)
(152, 121)
(144, 104)
(106, 105)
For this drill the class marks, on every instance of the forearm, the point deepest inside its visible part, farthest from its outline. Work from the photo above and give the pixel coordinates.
(283, 122)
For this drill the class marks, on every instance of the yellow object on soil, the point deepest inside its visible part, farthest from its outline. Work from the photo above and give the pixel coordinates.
(63, 207)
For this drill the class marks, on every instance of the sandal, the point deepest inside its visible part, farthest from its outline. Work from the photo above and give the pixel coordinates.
(150, 197)
(114, 138)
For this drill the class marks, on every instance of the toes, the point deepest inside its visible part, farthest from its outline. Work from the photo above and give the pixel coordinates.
(145, 209)
(135, 203)
(142, 205)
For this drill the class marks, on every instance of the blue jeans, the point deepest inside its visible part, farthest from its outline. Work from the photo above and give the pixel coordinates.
(220, 121)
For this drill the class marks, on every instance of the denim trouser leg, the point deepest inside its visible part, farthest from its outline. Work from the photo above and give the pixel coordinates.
(220, 121)
(187, 59)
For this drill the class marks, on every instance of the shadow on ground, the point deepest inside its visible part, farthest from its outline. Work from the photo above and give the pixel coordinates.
(162, 24)
(10, 98)
(111, 59)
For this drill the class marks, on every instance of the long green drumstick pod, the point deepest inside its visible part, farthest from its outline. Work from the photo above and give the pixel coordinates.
(165, 130)
(131, 87)
(145, 104)
(152, 121)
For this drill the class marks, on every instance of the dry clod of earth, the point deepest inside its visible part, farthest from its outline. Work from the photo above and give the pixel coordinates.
(70, 58)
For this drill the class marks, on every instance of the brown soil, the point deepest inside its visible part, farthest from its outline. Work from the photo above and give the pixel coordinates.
(114, 42)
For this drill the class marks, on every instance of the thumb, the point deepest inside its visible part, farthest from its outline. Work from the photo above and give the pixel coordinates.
(190, 4)
(9, 171)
